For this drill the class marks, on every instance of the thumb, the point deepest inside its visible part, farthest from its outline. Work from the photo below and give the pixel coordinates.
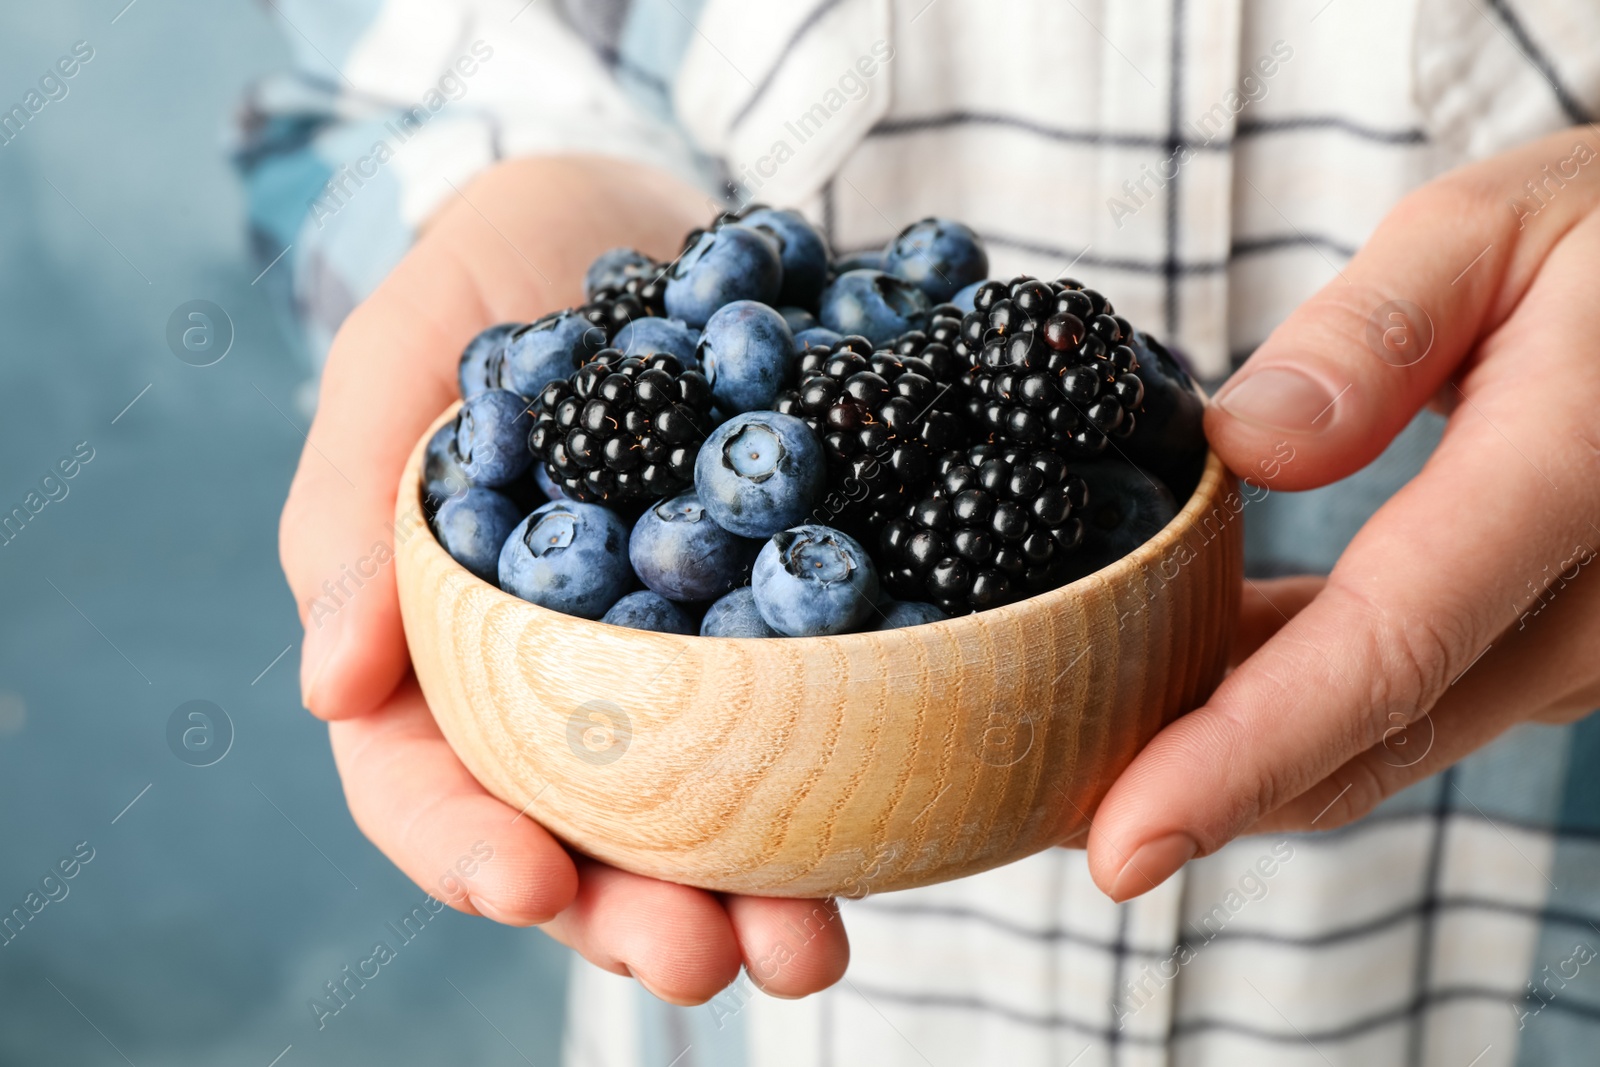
(391, 371)
(1344, 374)
(338, 532)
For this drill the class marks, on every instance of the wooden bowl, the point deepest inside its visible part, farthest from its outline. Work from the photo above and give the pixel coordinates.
(824, 766)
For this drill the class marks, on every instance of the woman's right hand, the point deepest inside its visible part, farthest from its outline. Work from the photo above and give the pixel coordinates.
(510, 246)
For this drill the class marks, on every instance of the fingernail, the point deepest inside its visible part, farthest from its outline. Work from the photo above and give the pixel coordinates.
(1280, 398)
(487, 910)
(1151, 864)
(322, 639)
(648, 988)
(759, 984)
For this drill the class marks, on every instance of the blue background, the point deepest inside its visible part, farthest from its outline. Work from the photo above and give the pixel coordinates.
(208, 917)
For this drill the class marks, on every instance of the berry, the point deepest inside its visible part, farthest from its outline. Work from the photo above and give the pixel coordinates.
(802, 250)
(621, 286)
(816, 337)
(442, 476)
(799, 319)
(963, 300)
(546, 484)
(1170, 440)
(1126, 508)
(640, 297)
(1049, 367)
(481, 359)
(653, 336)
(721, 266)
(814, 580)
(760, 472)
(473, 526)
(547, 350)
(568, 556)
(678, 551)
(736, 615)
(645, 610)
(904, 613)
(621, 428)
(876, 305)
(615, 267)
(872, 259)
(745, 353)
(491, 438)
(883, 417)
(998, 525)
(939, 256)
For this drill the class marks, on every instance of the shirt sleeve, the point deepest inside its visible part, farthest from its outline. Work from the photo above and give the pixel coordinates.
(388, 108)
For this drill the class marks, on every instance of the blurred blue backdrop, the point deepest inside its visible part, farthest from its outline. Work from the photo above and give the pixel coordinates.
(220, 901)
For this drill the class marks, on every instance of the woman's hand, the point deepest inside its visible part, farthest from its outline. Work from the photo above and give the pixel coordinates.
(1469, 599)
(509, 247)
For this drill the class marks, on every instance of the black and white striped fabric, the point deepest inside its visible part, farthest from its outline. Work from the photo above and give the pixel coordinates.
(1206, 163)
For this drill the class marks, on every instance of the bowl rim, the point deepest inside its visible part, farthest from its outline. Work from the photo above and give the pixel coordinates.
(1215, 480)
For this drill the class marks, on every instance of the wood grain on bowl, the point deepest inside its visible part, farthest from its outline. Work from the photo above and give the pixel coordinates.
(826, 765)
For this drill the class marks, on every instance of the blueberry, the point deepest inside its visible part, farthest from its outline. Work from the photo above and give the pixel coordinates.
(876, 305)
(678, 551)
(481, 359)
(736, 615)
(745, 354)
(569, 557)
(816, 337)
(1126, 507)
(801, 249)
(645, 610)
(759, 473)
(940, 256)
(724, 265)
(814, 580)
(909, 613)
(547, 485)
(966, 299)
(871, 260)
(492, 438)
(799, 319)
(551, 348)
(473, 526)
(651, 336)
(1168, 435)
(442, 476)
(613, 268)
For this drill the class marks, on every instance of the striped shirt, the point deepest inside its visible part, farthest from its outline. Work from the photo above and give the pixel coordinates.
(1208, 164)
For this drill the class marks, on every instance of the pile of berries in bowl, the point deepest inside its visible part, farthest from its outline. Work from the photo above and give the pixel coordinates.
(747, 442)
(978, 516)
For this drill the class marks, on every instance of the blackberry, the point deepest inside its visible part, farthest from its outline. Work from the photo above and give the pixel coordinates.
(612, 308)
(998, 524)
(622, 429)
(883, 417)
(1049, 366)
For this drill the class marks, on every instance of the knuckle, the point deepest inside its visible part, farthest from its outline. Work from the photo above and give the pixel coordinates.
(1451, 200)
(1407, 662)
(1368, 786)
(1226, 733)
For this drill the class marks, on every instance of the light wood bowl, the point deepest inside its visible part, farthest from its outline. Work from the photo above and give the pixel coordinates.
(824, 766)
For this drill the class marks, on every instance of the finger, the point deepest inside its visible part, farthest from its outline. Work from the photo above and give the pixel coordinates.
(791, 948)
(1425, 586)
(677, 941)
(416, 801)
(1265, 607)
(1347, 371)
(1542, 668)
(392, 369)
